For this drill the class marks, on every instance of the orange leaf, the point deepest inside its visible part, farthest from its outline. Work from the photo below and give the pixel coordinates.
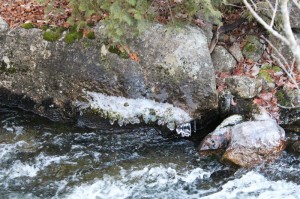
(134, 57)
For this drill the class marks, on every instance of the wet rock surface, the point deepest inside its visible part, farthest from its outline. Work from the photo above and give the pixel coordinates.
(50, 78)
(254, 142)
(293, 142)
(247, 143)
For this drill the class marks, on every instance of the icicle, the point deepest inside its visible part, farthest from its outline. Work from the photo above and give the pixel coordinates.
(185, 130)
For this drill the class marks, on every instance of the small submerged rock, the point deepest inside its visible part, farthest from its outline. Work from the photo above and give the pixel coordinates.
(247, 143)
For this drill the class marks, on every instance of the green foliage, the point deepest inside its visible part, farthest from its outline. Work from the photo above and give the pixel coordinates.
(51, 35)
(266, 72)
(73, 35)
(91, 35)
(28, 25)
(116, 50)
(128, 18)
(283, 98)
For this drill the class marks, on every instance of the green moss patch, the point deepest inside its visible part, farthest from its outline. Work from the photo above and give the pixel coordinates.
(91, 35)
(73, 35)
(51, 35)
(283, 98)
(249, 47)
(116, 50)
(264, 74)
(28, 25)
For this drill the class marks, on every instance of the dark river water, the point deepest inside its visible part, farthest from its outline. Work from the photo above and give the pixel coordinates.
(42, 159)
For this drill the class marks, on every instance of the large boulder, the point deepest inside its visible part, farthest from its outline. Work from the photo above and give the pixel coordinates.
(60, 81)
(254, 142)
(246, 143)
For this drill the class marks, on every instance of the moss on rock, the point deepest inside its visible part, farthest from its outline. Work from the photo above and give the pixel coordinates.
(72, 36)
(249, 48)
(116, 50)
(265, 75)
(91, 35)
(283, 98)
(51, 35)
(28, 25)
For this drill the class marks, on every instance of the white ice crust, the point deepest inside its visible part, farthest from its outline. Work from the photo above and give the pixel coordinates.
(134, 111)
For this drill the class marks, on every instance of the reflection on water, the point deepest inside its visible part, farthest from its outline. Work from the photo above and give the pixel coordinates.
(41, 159)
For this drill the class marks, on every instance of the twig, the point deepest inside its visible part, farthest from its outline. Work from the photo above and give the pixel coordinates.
(170, 10)
(286, 72)
(274, 12)
(297, 4)
(288, 107)
(264, 24)
(276, 50)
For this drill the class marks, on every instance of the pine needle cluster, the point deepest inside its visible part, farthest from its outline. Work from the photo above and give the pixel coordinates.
(125, 18)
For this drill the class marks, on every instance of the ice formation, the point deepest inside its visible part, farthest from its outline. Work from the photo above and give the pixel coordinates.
(134, 111)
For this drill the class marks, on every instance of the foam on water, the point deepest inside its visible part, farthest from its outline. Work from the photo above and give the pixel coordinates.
(253, 185)
(18, 168)
(167, 182)
(149, 182)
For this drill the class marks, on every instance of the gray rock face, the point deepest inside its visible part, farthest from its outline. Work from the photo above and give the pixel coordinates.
(295, 17)
(236, 52)
(223, 61)
(283, 48)
(51, 78)
(253, 48)
(3, 26)
(290, 113)
(243, 86)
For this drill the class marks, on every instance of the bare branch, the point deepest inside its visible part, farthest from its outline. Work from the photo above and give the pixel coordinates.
(254, 5)
(276, 50)
(264, 24)
(295, 48)
(287, 107)
(281, 65)
(274, 9)
(285, 70)
(297, 4)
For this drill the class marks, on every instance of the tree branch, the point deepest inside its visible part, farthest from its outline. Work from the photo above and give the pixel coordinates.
(264, 24)
(295, 48)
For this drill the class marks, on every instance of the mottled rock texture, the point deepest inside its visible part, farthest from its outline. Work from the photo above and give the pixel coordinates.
(243, 86)
(223, 61)
(50, 78)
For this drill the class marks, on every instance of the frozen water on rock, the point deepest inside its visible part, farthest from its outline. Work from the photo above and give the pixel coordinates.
(134, 111)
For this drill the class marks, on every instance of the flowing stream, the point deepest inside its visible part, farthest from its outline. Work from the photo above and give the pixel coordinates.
(42, 159)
